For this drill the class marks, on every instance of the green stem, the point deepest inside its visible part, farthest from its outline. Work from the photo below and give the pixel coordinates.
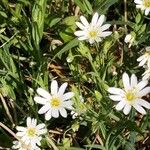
(100, 82)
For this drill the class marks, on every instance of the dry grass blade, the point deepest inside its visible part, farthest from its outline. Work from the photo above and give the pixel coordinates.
(6, 109)
(8, 130)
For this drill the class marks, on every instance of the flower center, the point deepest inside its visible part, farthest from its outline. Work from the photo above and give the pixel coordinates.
(148, 52)
(55, 102)
(93, 33)
(147, 3)
(130, 95)
(31, 132)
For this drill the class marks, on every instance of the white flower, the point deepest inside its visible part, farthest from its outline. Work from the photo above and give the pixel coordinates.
(74, 114)
(131, 95)
(56, 102)
(145, 59)
(22, 146)
(143, 5)
(94, 31)
(31, 135)
(18, 145)
(129, 39)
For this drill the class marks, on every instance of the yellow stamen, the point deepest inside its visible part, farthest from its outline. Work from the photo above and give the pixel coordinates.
(55, 102)
(92, 33)
(31, 132)
(148, 52)
(130, 95)
(147, 3)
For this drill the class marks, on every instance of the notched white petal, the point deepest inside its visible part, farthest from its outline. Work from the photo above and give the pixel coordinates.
(94, 19)
(116, 91)
(54, 87)
(105, 33)
(67, 96)
(40, 100)
(115, 97)
(48, 115)
(44, 109)
(63, 112)
(43, 93)
(143, 103)
(20, 128)
(101, 20)
(139, 109)
(84, 21)
(127, 109)
(29, 121)
(126, 81)
(120, 105)
(133, 80)
(79, 33)
(144, 92)
(55, 113)
(80, 25)
(105, 27)
(62, 89)
(142, 84)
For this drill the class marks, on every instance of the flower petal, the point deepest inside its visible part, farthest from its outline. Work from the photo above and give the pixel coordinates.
(67, 96)
(138, 2)
(40, 126)
(80, 25)
(98, 39)
(62, 89)
(33, 122)
(55, 113)
(116, 91)
(20, 134)
(128, 38)
(101, 20)
(29, 122)
(133, 81)
(115, 97)
(81, 38)
(142, 84)
(143, 62)
(120, 105)
(67, 104)
(48, 115)
(84, 21)
(146, 76)
(141, 58)
(139, 109)
(40, 100)
(127, 109)
(105, 27)
(79, 33)
(20, 128)
(94, 19)
(143, 103)
(144, 92)
(43, 93)
(91, 40)
(44, 109)
(105, 33)
(42, 131)
(147, 11)
(26, 140)
(54, 87)
(33, 144)
(63, 112)
(126, 82)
